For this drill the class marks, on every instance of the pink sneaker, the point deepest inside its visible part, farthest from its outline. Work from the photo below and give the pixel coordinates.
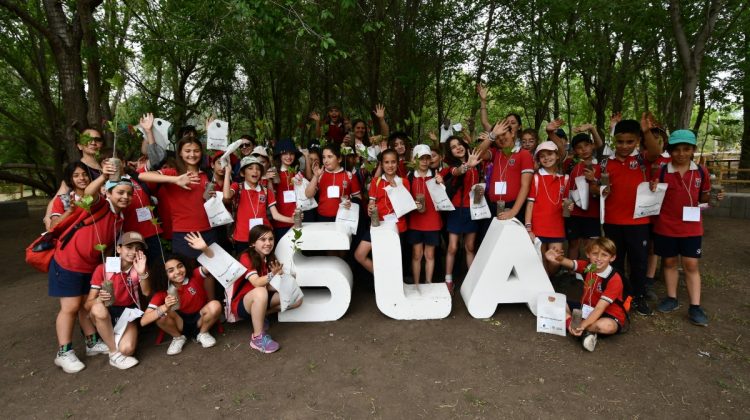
(264, 343)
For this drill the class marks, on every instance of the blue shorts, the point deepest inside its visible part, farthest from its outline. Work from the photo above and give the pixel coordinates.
(427, 237)
(459, 221)
(668, 246)
(579, 227)
(548, 240)
(190, 323)
(242, 312)
(65, 283)
(180, 245)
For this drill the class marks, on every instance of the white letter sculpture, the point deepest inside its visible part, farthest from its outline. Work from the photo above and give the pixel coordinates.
(394, 298)
(331, 273)
(506, 269)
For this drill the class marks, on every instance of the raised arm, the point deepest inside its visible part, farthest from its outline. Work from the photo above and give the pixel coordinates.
(552, 135)
(380, 114)
(316, 117)
(651, 142)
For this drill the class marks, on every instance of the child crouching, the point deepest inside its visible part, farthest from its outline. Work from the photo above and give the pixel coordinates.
(603, 306)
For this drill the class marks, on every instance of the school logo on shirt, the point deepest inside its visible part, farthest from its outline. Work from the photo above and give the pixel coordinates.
(633, 164)
(262, 198)
(511, 162)
(698, 183)
(599, 287)
(192, 290)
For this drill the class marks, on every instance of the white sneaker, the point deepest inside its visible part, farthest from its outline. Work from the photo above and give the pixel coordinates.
(206, 340)
(589, 342)
(98, 348)
(69, 362)
(120, 361)
(175, 347)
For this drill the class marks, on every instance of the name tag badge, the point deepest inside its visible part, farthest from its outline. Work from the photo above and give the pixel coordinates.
(391, 218)
(334, 191)
(586, 310)
(256, 221)
(112, 265)
(143, 214)
(501, 187)
(290, 196)
(691, 214)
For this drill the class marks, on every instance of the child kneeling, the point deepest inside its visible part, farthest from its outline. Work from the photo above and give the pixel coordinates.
(196, 314)
(602, 302)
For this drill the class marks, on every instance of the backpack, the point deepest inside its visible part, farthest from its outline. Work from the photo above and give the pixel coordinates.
(40, 252)
(627, 295)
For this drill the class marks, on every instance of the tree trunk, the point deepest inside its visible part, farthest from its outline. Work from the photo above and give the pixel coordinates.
(691, 56)
(701, 105)
(481, 63)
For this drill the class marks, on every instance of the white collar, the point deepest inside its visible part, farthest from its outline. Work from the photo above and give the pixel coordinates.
(186, 280)
(341, 168)
(671, 169)
(665, 154)
(544, 172)
(607, 271)
(257, 188)
(418, 175)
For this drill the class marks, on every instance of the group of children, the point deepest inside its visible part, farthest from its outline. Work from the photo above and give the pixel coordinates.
(135, 208)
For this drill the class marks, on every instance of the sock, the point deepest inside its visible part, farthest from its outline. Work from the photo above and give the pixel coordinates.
(448, 278)
(650, 281)
(65, 348)
(694, 306)
(92, 339)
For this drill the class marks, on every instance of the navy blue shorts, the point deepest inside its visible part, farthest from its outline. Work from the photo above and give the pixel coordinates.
(459, 221)
(190, 323)
(65, 283)
(668, 246)
(547, 240)
(427, 237)
(180, 245)
(579, 227)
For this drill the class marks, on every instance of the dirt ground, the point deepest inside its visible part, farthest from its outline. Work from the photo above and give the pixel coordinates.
(367, 365)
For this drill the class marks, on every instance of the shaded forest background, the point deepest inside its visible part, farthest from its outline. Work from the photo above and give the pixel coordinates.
(264, 65)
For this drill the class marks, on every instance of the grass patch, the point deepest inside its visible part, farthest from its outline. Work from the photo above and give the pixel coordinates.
(711, 281)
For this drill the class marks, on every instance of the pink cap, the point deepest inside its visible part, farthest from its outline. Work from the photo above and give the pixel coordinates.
(547, 145)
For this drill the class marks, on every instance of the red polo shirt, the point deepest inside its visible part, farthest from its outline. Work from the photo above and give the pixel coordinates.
(430, 219)
(624, 178)
(682, 191)
(508, 169)
(547, 193)
(253, 203)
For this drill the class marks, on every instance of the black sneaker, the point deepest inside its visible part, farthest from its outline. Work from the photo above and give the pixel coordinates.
(641, 306)
(697, 316)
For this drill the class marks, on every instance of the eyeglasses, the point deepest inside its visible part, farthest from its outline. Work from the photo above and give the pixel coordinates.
(246, 145)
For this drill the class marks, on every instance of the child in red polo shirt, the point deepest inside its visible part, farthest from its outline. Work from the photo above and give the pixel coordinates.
(463, 176)
(544, 210)
(253, 201)
(678, 229)
(185, 186)
(196, 313)
(127, 286)
(602, 302)
(512, 170)
(583, 225)
(425, 223)
(253, 296)
(334, 185)
(626, 170)
(379, 199)
(289, 176)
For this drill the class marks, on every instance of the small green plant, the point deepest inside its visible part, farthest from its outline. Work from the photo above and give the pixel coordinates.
(118, 389)
(297, 240)
(312, 366)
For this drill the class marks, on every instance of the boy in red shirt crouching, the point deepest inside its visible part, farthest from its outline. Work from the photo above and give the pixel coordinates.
(603, 303)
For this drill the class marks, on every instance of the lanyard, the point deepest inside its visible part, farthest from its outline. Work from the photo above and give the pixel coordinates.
(250, 202)
(546, 192)
(687, 189)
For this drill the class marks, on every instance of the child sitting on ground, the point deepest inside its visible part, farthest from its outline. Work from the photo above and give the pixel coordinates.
(603, 307)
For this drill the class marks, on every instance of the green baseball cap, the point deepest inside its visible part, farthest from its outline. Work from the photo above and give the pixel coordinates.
(682, 137)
